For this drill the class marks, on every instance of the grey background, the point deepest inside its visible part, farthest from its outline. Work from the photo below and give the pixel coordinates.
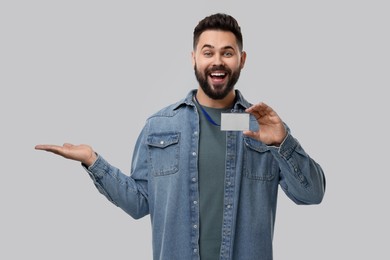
(92, 71)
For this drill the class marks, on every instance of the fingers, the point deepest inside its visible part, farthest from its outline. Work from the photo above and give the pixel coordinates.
(264, 113)
(45, 147)
(258, 106)
(50, 148)
(250, 134)
(57, 149)
(260, 110)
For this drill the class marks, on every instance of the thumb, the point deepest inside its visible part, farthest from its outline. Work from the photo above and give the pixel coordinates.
(249, 133)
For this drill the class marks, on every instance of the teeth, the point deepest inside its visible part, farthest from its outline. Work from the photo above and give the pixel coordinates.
(217, 74)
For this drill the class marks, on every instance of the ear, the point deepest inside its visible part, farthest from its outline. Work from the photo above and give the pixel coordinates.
(243, 59)
(193, 58)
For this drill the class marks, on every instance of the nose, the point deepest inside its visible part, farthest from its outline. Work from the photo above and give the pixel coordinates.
(218, 60)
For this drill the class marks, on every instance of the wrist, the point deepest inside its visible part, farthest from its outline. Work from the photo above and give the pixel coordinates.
(278, 144)
(91, 160)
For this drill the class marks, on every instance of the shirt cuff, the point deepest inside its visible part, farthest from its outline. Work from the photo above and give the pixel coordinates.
(288, 146)
(98, 169)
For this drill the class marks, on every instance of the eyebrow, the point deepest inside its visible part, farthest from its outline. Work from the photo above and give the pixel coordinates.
(212, 47)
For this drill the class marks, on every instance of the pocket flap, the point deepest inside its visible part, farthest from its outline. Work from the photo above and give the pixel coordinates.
(162, 140)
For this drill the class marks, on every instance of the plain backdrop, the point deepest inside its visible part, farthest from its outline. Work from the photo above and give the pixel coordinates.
(93, 71)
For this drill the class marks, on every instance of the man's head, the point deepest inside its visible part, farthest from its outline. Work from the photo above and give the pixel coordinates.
(217, 56)
(219, 21)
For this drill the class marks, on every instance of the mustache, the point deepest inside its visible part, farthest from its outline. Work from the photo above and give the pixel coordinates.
(219, 68)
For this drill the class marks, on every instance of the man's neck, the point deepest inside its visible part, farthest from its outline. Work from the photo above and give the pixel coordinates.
(205, 100)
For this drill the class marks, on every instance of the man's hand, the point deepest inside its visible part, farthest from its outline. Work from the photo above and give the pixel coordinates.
(82, 153)
(271, 128)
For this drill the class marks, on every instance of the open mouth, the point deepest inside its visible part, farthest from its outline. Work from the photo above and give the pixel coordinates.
(218, 76)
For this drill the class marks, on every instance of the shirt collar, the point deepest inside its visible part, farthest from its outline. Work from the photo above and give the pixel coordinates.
(239, 104)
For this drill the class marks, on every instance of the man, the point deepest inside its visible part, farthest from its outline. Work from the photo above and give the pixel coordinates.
(211, 194)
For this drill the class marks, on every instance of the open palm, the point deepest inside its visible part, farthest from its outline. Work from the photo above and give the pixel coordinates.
(82, 153)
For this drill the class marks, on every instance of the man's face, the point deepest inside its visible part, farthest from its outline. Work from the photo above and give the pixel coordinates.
(217, 63)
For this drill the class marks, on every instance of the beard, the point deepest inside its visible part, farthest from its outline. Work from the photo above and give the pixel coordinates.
(217, 91)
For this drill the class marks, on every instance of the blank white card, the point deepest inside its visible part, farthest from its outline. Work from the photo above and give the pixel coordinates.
(234, 121)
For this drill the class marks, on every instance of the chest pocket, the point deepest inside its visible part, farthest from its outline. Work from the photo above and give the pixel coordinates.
(259, 163)
(164, 153)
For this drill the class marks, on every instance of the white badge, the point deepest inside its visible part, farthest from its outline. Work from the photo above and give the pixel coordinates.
(234, 121)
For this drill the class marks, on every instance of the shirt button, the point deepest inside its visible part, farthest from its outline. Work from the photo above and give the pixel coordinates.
(195, 250)
(161, 142)
(195, 202)
(193, 153)
(195, 226)
(193, 179)
(229, 206)
(196, 133)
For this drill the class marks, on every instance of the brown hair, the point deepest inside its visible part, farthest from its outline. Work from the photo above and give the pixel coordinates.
(219, 21)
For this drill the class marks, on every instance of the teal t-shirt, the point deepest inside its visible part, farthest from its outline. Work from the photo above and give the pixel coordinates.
(212, 155)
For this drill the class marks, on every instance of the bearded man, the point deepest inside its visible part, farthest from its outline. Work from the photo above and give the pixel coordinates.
(210, 194)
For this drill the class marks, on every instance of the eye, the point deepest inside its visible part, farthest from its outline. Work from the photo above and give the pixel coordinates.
(207, 54)
(228, 54)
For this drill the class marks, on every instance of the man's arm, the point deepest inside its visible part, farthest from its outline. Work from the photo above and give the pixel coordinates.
(120, 189)
(302, 179)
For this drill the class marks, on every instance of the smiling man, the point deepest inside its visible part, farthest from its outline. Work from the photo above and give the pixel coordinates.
(218, 59)
(210, 194)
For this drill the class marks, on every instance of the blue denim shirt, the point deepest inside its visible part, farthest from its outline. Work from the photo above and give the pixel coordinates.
(164, 184)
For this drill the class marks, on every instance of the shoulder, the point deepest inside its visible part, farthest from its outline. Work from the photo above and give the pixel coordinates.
(173, 109)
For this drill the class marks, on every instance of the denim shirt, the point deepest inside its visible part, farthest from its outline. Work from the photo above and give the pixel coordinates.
(164, 184)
